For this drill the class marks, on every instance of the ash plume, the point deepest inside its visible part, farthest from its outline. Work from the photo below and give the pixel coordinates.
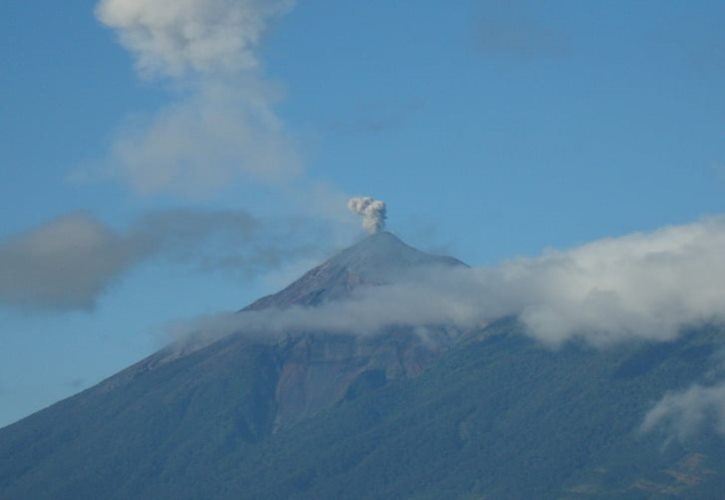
(371, 210)
(221, 126)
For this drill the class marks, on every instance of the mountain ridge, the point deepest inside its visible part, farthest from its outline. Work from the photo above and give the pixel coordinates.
(313, 371)
(378, 259)
(490, 414)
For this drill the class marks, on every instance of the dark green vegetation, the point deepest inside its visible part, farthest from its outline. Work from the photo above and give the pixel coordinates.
(498, 416)
(493, 415)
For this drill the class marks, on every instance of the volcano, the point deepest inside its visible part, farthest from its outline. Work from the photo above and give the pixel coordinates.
(487, 413)
(379, 259)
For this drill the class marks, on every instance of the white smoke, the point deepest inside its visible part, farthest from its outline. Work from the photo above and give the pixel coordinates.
(221, 127)
(371, 210)
(172, 36)
(205, 142)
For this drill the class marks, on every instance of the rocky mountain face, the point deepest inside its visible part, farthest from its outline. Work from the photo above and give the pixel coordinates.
(312, 371)
(315, 371)
(306, 415)
(381, 258)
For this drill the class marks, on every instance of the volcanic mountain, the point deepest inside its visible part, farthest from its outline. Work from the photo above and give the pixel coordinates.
(488, 413)
(378, 259)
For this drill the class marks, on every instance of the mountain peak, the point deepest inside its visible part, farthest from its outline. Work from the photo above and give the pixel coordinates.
(384, 249)
(378, 259)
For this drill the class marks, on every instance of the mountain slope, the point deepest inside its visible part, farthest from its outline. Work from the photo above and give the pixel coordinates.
(503, 417)
(378, 259)
(491, 414)
(498, 416)
(194, 406)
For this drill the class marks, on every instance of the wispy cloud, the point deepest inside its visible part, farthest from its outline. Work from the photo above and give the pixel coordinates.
(68, 263)
(221, 128)
(205, 142)
(719, 172)
(508, 29)
(377, 117)
(680, 415)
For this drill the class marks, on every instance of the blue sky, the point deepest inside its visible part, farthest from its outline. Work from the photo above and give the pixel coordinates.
(491, 130)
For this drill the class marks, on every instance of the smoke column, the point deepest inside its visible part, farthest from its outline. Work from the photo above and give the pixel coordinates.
(371, 210)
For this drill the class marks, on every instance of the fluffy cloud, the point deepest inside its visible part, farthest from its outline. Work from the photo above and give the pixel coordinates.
(372, 211)
(69, 262)
(643, 286)
(221, 127)
(172, 37)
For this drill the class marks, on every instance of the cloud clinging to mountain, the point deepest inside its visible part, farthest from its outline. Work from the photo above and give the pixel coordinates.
(640, 286)
(682, 414)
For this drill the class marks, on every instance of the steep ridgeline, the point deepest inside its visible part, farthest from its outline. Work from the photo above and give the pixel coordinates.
(233, 392)
(315, 371)
(311, 371)
(378, 259)
(492, 414)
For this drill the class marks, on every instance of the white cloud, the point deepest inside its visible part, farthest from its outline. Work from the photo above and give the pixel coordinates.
(645, 285)
(171, 37)
(682, 414)
(641, 286)
(205, 143)
(223, 127)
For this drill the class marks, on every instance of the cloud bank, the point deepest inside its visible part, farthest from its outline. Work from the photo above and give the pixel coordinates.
(221, 127)
(68, 263)
(641, 286)
(646, 285)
